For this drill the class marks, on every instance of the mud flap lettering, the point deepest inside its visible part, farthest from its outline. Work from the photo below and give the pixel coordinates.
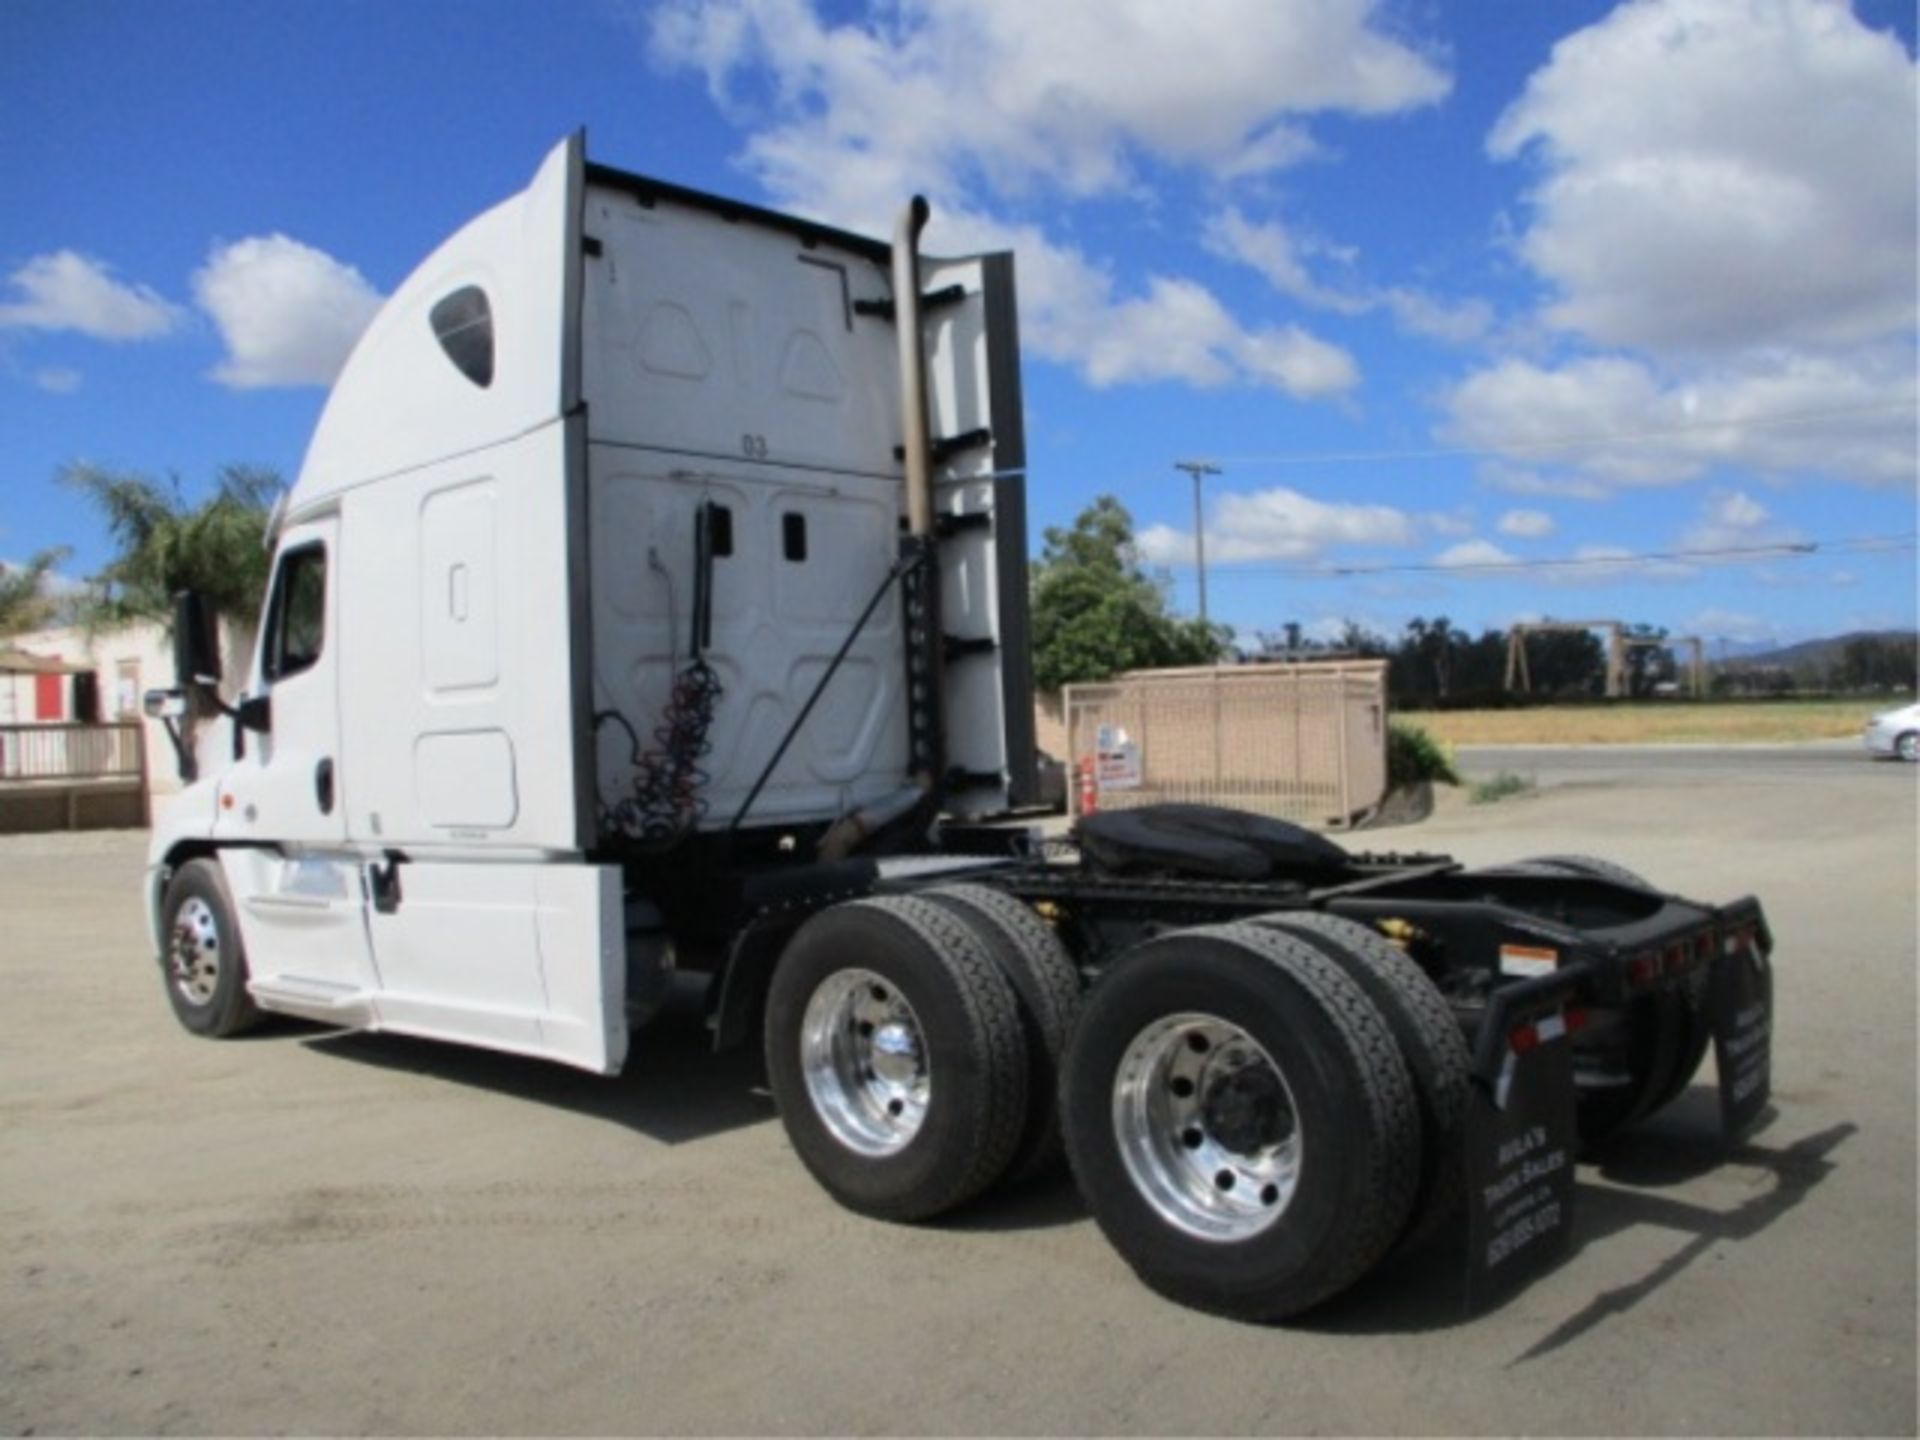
(1740, 1004)
(1521, 1139)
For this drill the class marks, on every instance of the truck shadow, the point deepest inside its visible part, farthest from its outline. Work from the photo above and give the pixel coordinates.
(674, 1087)
(1617, 1189)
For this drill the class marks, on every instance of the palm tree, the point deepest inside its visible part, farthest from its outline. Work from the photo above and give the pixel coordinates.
(218, 547)
(25, 603)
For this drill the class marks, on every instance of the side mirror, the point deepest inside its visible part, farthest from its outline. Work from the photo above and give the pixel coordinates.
(165, 704)
(196, 643)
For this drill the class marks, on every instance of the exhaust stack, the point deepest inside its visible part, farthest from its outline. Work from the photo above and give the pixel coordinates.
(913, 366)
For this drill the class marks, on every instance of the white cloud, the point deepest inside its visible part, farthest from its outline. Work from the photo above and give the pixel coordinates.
(69, 291)
(1608, 564)
(1458, 322)
(57, 380)
(1722, 174)
(1064, 93)
(1496, 476)
(1734, 520)
(1280, 255)
(1616, 421)
(1277, 524)
(1736, 510)
(1718, 624)
(981, 103)
(289, 313)
(1474, 553)
(1526, 524)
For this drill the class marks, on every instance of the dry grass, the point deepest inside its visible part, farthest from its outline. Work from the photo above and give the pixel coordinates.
(1654, 723)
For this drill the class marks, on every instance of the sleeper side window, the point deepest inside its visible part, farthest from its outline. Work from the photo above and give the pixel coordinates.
(463, 324)
(297, 617)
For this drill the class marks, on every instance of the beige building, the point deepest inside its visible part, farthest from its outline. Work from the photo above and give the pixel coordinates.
(112, 670)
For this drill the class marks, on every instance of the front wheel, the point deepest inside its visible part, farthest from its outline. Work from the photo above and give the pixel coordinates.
(1907, 747)
(203, 960)
(1240, 1121)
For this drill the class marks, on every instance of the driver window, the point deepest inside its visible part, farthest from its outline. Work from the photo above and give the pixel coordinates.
(296, 621)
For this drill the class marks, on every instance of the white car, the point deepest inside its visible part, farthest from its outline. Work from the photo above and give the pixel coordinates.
(1895, 732)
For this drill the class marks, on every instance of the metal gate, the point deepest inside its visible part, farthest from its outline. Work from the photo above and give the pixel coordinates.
(1304, 742)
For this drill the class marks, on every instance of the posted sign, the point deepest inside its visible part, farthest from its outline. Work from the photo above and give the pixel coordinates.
(1116, 760)
(1521, 1137)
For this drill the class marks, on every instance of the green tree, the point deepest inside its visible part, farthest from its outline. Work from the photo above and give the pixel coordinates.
(165, 544)
(25, 603)
(1097, 613)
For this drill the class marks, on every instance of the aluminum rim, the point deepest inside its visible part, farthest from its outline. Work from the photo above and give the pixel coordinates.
(865, 1062)
(1207, 1127)
(193, 957)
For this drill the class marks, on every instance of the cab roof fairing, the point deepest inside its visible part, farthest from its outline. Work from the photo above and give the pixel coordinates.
(400, 402)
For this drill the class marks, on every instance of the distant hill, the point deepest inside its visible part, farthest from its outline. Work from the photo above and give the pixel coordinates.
(1813, 653)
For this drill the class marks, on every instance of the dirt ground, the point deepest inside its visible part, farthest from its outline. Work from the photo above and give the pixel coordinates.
(1655, 722)
(316, 1233)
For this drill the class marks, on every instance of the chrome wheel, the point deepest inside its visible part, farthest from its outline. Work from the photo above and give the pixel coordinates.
(1207, 1127)
(865, 1062)
(193, 955)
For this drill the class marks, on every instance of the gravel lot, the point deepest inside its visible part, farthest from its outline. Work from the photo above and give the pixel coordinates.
(307, 1232)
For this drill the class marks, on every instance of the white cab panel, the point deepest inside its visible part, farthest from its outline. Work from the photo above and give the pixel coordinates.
(400, 401)
(454, 654)
(777, 622)
(728, 339)
(303, 919)
(529, 958)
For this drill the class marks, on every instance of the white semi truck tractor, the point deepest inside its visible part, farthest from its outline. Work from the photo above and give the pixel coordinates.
(652, 601)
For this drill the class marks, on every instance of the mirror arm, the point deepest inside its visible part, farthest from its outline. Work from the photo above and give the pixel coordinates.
(188, 763)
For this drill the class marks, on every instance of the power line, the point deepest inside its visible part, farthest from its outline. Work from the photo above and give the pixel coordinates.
(1565, 442)
(1786, 550)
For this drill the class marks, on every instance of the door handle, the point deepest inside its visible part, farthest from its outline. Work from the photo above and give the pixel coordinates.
(323, 785)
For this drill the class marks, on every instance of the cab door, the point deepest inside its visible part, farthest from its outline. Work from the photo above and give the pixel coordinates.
(300, 892)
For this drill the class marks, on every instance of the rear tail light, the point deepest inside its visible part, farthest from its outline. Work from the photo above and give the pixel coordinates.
(1644, 969)
(1523, 1038)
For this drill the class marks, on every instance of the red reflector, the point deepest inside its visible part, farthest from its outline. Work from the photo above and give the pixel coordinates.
(1644, 969)
(1576, 1019)
(1523, 1039)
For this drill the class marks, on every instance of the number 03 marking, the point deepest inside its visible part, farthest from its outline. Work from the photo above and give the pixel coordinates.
(754, 447)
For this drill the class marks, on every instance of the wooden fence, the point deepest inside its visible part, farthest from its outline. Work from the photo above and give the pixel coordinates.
(66, 776)
(1299, 742)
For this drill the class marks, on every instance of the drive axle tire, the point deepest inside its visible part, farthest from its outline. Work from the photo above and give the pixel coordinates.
(1240, 1120)
(1047, 984)
(1660, 1039)
(895, 1055)
(203, 959)
(1430, 1041)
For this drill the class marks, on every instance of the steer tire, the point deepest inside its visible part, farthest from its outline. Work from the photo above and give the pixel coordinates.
(1430, 1040)
(965, 1020)
(1347, 1105)
(1661, 1038)
(1047, 985)
(203, 960)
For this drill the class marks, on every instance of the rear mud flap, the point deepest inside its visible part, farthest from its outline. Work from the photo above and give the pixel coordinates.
(1740, 1006)
(1521, 1140)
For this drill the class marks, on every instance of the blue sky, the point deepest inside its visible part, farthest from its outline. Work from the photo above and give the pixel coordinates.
(1439, 286)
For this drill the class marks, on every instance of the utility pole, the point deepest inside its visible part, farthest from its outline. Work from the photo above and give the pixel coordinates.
(1197, 469)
